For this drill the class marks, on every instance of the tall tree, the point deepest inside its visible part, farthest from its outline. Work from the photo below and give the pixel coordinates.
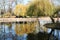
(20, 10)
(40, 8)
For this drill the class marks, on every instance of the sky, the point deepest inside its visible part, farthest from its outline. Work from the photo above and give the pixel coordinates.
(13, 4)
(56, 2)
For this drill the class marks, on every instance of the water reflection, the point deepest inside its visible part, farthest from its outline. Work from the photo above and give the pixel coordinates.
(7, 33)
(56, 32)
(10, 35)
(42, 22)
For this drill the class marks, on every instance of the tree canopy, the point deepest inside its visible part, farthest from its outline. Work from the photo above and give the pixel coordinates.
(20, 10)
(40, 8)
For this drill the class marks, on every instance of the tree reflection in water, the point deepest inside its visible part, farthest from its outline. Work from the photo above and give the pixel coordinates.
(13, 34)
(10, 35)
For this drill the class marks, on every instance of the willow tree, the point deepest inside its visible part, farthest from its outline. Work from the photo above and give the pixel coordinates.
(22, 27)
(40, 8)
(20, 10)
(56, 11)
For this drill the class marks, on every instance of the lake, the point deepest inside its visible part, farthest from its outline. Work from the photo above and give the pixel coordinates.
(24, 37)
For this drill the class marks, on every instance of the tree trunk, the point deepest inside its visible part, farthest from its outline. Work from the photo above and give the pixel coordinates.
(38, 23)
(52, 29)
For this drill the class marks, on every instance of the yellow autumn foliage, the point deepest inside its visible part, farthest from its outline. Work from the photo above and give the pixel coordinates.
(20, 10)
(7, 15)
(9, 24)
(49, 8)
(21, 29)
(45, 6)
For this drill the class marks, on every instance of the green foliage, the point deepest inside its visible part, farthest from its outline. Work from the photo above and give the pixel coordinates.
(34, 11)
(30, 10)
(57, 9)
(40, 8)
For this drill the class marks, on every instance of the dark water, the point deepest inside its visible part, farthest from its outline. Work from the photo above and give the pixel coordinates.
(56, 32)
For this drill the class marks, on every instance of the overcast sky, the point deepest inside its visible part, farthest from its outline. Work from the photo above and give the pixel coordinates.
(56, 2)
